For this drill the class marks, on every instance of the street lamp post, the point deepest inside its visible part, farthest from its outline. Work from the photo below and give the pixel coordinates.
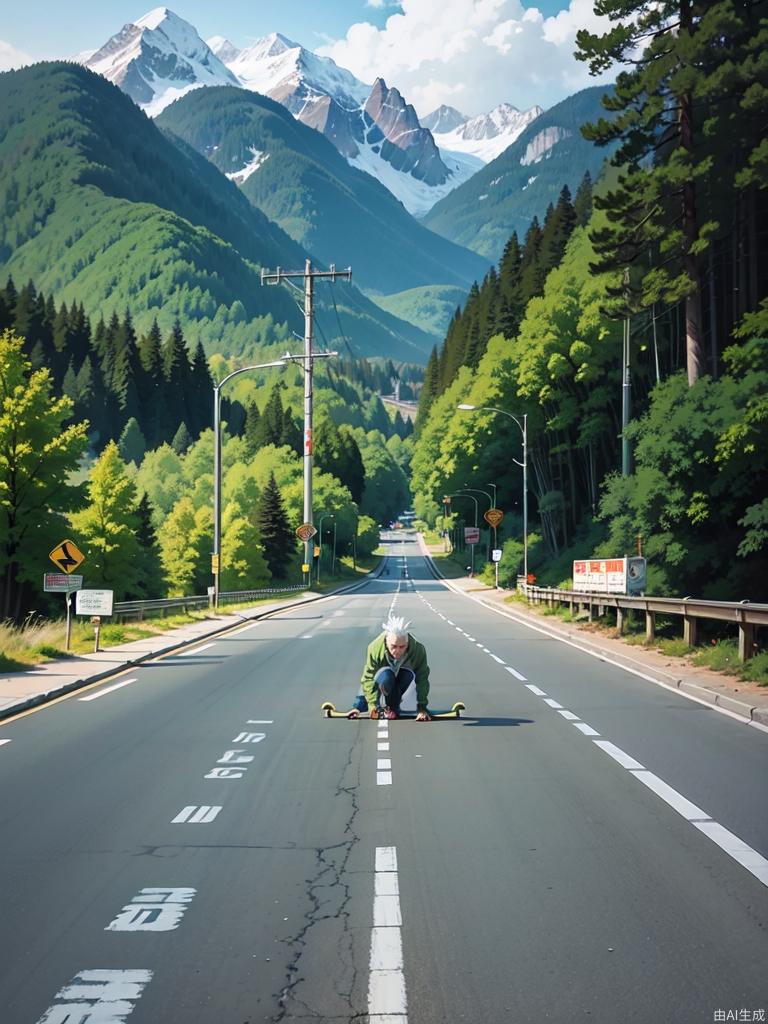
(524, 430)
(461, 494)
(216, 553)
(325, 515)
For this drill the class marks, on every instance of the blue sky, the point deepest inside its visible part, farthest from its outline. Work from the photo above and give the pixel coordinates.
(50, 28)
(471, 54)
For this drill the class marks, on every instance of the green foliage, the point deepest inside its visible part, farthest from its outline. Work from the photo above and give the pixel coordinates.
(277, 538)
(367, 536)
(106, 529)
(37, 454)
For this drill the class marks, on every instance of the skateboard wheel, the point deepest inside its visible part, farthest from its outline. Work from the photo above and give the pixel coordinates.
(354, 714)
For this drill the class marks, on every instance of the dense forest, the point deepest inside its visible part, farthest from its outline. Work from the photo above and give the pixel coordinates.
(105, 436)
(630, 328)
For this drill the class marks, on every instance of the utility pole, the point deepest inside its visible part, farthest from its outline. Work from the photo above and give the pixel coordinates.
(309, 276)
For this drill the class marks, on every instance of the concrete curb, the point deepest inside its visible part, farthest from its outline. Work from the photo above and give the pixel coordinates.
(743, 709)
(36, 700)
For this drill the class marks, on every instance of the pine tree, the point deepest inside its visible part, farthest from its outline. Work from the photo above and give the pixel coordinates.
(275, 532)
(291, 435)
(512, 306)
(271, 423)
(132, 444)
(177, 374)
(429, 389)
(252, 417)
(582, 204)
(151, 582)
(663, 44)
(182, 439)
(201, 393)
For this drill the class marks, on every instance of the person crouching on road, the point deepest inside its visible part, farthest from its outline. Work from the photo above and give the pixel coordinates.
(394, 660)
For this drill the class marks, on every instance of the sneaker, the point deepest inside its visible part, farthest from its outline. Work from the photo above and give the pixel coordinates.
(390, 713)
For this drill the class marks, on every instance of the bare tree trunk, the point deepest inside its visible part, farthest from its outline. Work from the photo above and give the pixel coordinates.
(714, 347)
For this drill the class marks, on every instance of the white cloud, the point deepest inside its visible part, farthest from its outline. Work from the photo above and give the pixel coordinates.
(476, 52)
(11, 58)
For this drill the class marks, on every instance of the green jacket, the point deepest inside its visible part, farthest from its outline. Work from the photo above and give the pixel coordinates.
(378, 657)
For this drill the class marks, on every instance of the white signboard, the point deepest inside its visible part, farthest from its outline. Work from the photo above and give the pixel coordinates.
(59, 582)
(609, 576)
(94, 602)
(496, 555)
(471, 535)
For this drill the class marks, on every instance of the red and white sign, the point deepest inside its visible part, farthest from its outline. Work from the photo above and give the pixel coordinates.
(609, 576)
(471, 534)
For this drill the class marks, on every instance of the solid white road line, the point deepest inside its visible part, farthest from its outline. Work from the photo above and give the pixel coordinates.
(109, 689)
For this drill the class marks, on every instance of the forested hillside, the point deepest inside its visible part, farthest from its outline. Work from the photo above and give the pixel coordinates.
(298, 178)
(648, 311)
(99, 207)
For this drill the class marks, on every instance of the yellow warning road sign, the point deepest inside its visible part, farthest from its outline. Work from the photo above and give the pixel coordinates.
(305, 532)
(67, 556)
(493, 516)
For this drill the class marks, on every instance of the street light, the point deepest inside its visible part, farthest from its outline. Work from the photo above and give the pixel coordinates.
(464, 406)
(461, 494)
(216, 559)
(325, 515)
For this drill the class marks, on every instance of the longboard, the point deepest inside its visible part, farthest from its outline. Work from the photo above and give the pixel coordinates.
(329, 710)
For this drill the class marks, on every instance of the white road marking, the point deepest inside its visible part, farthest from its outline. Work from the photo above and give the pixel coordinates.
(109, 689)
(450, 623)
(194, 815)
(153, 910)
(459, 629)
(517, 675)
(670, 796)
(4, 741)
(618, 755)
(260, 721)
(383, 764)
(250, 737)
(387, 1003)
(383, 746)
(383, 778)
(568, 715)
(307, 636)
(586, 729)
(745, 855)
(495, 658)
(552, 703)
(102, 997)
(469, 637)
(197, 650)
(536, 690)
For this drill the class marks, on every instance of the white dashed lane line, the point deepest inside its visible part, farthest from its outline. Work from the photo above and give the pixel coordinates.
(743, 854)
(109, 689)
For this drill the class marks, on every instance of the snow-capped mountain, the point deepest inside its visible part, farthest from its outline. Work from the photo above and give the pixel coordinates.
(223, 49)
(372, 126)
(444, 119)
(157, 59)
(484, 137)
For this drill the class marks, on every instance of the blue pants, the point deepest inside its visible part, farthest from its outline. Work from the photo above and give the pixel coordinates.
(392, 685)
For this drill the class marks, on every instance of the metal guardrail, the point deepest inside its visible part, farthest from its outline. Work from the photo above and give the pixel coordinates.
(745, 615)
(124, 609)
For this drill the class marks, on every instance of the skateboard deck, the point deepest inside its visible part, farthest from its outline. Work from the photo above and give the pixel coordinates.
(329, 710)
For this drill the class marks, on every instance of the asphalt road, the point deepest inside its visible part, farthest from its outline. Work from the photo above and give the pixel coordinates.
(200, 845)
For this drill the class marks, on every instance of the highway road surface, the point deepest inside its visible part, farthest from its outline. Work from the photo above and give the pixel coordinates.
(194, 842)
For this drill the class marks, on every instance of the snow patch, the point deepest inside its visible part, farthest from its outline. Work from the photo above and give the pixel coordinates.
(259, 157)
(529, 182)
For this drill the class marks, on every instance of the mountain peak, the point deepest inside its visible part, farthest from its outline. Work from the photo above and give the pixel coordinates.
(444, 119)
(154, 18)
(273, 45)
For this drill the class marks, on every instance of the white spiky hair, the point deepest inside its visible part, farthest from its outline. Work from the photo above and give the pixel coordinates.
(395, 626)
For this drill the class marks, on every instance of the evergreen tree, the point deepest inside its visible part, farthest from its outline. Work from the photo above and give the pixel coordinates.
(152, 582)
(271, 423)
(252, 417)
(582, 204)
(201, 393)
(275, 532)
(678, 62)
(126, 369)
(152, 386)
(291, 435)
(429, 390)
(182, 439)
(132, 444)
(177, 374)
(512, 306)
